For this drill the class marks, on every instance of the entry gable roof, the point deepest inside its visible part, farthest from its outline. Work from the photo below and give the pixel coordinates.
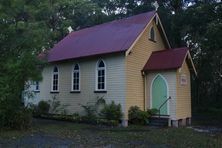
(168, 59)
(111, 37)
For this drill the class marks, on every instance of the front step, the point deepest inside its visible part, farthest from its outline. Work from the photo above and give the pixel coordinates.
(161, 122)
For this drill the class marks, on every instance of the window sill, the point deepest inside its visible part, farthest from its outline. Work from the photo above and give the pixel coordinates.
(152, 40)
(54, 92)
(100, 91)
(75, 92)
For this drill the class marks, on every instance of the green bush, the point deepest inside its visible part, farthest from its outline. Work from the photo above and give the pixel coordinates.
(43, 107)
(34, 109)
(107, 122)
(90, 113)
(111, 112)
(137, 116)
(76, 116)
(153, 111)
(23, 119)
(56, 107)
(19, 119)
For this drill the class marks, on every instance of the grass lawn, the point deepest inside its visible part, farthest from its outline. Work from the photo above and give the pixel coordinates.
(96, 136)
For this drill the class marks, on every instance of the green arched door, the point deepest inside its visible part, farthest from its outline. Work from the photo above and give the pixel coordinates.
(159, 94)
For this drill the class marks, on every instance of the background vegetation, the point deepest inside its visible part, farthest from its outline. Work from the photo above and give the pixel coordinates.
(29, 27)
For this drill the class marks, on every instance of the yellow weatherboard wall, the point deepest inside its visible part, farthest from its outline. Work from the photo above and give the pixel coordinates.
(183, 107)
(135, 62)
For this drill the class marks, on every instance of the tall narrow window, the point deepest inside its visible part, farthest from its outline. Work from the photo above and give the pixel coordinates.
(55, 80)
(76, 78)
(36, 85)
(152, 34)
(101, 76)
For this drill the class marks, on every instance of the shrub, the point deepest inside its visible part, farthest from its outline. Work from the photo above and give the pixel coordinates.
(34, 109)
(56, 107)
(137, 116)
(22, 119)
(107, 122)
(90, 111)
(153, 111)
(19, 119)
(111, 111)
(76, 116)
(43, 107)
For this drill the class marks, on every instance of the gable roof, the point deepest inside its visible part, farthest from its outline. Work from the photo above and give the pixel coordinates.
(111, 37)
(166, 59)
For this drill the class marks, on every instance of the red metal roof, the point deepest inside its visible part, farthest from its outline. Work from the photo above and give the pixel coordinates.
(115, 36)
(166, 59)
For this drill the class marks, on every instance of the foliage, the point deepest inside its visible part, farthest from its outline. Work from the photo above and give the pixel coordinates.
(20, 119)
(76, 118)
(92, 108)
(34, 109)
(111, 112)
(56, 107)
(90, 111)
(153, 111)
(43, 107)
(137, 116)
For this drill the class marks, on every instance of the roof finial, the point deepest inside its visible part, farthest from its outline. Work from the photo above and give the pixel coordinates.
(156, 5)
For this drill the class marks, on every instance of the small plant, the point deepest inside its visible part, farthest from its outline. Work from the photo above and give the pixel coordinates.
(137, 116)
(57, 107)
(111, 111)
(76, 116)
(153, 111)
(43, 107)
(91, 109)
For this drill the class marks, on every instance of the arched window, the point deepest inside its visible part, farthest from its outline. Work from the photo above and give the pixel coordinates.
(76, 78)
(55, 79)
(36, 85)
(100, 76)
(152, 34)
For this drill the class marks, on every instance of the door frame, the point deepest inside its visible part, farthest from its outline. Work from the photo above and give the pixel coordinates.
(151, 88)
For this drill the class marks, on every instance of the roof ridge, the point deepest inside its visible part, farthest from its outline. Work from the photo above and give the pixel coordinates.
(112, 21)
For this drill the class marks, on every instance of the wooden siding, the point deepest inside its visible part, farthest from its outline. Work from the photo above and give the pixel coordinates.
(135, 62)
(183, 108)
(170, 77)
(115, 66)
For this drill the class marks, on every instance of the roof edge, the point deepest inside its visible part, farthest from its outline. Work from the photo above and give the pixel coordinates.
(138, 37)
(164, 32)
(89, 56)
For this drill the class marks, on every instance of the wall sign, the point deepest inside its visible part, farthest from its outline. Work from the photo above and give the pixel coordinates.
(183, 79)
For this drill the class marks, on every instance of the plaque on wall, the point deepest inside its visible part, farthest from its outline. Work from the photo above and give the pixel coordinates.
(183, 79)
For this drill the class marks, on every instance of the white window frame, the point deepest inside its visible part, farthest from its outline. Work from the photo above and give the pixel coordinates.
(96, 79)
(36, 83)
(72, 76)
(52, 79)
(154, 39)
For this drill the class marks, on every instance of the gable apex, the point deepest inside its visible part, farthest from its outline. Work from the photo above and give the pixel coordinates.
(160, 29)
